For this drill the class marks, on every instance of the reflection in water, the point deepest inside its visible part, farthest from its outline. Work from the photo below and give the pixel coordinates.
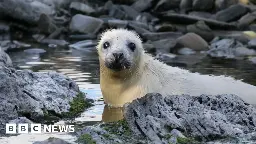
(83, 68)
(111, 114)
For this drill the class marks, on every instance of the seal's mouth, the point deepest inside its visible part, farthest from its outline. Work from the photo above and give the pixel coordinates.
(118, 65)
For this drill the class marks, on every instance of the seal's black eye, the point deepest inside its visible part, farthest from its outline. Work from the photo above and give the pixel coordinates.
(106, 45)
(132, 46)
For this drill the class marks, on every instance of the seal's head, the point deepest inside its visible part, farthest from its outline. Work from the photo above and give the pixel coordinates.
(119, 49)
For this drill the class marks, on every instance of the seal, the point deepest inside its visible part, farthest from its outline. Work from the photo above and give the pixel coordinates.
(127, 72)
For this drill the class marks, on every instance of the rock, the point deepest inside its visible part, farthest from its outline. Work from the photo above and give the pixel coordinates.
(186, 5)
(232, 13)
(223, 4)
(161, 35)
(164, 5)
(142, 5)
(130, 12)
(253, 60)
(252, 43)
(20, 120)
(165, 27)
(4, 27)
(224, 48)
(165, 56)
(243, 51)
(202, 30)
(117, 23)
(5, 59)
(54, 41)
(149, 47)
(201, 14)
(164, 45)
(7, 45)
(85, 24)
(35, 51)
(138, 28)
(154, 116)
(28, 11)
(186, 51)
(83, 36)
(246, 20)
(52, 140)
(237, 35)
(186, 19)
(146, 18)
(253, 27)
(193, 41)
(84, 45)
(117, 12)
(81, 7)
(46, 24)
(203, 5)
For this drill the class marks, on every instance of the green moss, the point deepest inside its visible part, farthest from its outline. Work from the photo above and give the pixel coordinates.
(107, 136)
(85, 139)
(77, 106)
(118, 128)
(181, 140)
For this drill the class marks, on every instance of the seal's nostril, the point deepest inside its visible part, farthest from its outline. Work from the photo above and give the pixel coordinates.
(118, 55)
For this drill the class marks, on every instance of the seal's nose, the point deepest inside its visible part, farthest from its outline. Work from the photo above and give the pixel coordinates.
(118, 56)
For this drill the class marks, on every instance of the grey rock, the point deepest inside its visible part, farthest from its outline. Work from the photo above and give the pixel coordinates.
(223, 4)
(164, 45)
(83, 36)
(5, 60)
(201, 14)
(193, 41)
(4, 27)
(117, 12)
(198, 116)
(164, 5)
(142, 5)
(237, 35)
(84, 45)
(54, 41)
(246, 20)
(165, 27)
(252, 43)
(232, 13)
(7, 45)
(201, 29)
(52, 140)
(186, 51)
(253, 60)
(243, 51)
(203, 5)
(20, 120)
(35, 51)
(28, 11)
(85, 24)
(118, 23)
(140, 29)
(146, 18)
(149, 47)
(186, 19)
(224, 48)
(81, 7)
(46, 24)
(130, 12)
(253, 27)
(186, 5)
(165, 56)
(161, 35)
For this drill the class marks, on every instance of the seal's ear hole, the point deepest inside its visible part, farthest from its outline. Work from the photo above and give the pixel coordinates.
(106, 45)
(132, 46)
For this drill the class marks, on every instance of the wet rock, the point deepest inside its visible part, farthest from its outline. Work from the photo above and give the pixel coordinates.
(186, 51)
(164, 5)
(35, 51)
(54, 41)
(117, 12)
(83, 36)
(4, 27)
(237, 35)
(201, 14)
(246, 20)
(46, 24)
(253, 60)
(154, 116)
(28, 11)
(149, 47)
(85, 24)
(193, 41)
(161, 35)
(164, 45)
(165, 56)
(118, 23)
(52, 140)
(243, 51)
(81, 7)
(223, 4)
(165, 27)
(186, 5)
(252, 43)
(138, 28)
(130, 12)
(5, 60)
(224, 48)
(84, 45)
(186, 19)
(232, 13)
(8, 45)
(203, 5)
(253, 27)
(202, 30)
(142, 5)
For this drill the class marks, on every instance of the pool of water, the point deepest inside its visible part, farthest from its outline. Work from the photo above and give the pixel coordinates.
(83, 68)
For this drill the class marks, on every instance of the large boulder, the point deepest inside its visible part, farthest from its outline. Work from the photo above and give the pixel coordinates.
(85, 24)
(201, 29)
(232, 13)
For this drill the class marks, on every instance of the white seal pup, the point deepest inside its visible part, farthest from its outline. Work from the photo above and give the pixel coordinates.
(127, 73)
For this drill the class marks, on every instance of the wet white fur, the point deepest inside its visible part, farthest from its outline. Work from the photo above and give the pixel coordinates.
(148, 75)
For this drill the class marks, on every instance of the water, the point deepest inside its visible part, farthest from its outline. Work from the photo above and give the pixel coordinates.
(83, 68)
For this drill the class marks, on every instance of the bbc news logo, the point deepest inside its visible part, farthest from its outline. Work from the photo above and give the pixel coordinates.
(38, 128)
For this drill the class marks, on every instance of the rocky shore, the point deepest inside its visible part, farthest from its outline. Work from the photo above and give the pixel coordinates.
(222, 29)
